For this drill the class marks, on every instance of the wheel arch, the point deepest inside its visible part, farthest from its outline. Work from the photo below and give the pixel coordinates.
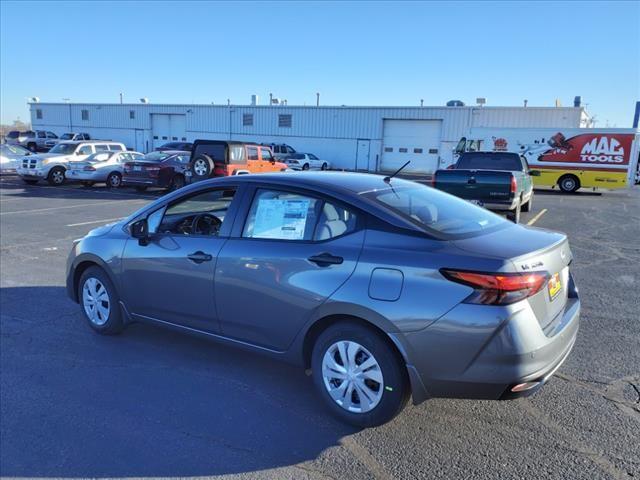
(81, 265)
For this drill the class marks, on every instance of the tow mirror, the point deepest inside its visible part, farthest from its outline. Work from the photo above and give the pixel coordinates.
(534, 173)
(140, 230)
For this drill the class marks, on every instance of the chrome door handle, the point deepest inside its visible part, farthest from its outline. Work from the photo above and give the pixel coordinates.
(199, 257)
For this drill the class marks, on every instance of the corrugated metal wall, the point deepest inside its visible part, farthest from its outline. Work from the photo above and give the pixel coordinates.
(311, 127)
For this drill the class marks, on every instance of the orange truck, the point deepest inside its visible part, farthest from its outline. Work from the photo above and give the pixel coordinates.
(220, 158)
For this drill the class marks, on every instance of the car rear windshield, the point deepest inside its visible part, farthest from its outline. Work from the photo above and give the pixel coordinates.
(297, 156)
(436, 212)
(67, 136)
(489, 161)
(156, 157)
(13, 134)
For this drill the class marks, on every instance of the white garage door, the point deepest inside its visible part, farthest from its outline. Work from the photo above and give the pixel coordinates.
(168, 128)
(414, 140)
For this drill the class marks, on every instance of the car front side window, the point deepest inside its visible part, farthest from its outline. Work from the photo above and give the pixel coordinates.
(201, 214)
(85, 150)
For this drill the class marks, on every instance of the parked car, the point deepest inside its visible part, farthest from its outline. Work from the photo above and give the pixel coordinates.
(215, 158)
(11, 157)
(32, 140)
(499, 181)
(104, 167)
(53, 165)
(183, 146)
(381, 287)
(281, 151)
(306, 161)
(157, 169)
(66, 137)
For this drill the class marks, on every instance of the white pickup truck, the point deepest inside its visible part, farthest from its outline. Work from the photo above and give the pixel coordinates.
(53, 165)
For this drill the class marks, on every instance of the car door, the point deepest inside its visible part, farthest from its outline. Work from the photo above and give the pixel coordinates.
(267, 159)
(170, 279)
(293, 251)
(253, 160)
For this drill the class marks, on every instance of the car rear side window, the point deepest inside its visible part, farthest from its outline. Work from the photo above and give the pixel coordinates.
(490, 161)
(279, 215)
(115, 147)
(435, 212)
(252, 153)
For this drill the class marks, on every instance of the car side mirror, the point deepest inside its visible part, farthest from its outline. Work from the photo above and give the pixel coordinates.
(534, 173)
(140, 230)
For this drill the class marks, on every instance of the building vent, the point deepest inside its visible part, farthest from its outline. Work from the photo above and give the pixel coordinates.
(455, 103)
(284, 121)
(247, 119)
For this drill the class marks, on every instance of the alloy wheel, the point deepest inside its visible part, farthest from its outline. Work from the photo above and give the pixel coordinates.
(57, 176)
(95, 300)
(352, 376)
(114, 181)
(200, 167)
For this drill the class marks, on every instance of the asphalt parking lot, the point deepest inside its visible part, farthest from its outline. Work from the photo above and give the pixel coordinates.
(154, 403)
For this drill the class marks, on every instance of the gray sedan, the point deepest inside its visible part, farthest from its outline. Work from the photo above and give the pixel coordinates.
(104, 166)
(385, 289)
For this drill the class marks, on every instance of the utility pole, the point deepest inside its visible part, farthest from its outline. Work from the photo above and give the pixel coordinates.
(120, 98)
(318, 99)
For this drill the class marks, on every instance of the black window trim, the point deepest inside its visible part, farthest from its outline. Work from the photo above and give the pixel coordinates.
(243, 215)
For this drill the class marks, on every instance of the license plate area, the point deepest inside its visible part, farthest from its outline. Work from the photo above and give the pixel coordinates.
(137, 169)
(554, 286)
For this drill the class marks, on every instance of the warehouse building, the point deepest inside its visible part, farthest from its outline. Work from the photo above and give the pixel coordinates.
(375, 139)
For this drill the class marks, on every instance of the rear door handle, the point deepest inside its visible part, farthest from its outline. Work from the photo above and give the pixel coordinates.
(326, 259)
(199, 257)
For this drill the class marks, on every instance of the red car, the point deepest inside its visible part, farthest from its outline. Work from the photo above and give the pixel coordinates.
(157, 169)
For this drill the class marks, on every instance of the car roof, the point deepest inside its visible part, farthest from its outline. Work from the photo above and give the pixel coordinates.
(344, 182)
(76, 142)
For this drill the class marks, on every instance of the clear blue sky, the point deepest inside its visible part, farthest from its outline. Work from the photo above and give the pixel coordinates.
(360, 53)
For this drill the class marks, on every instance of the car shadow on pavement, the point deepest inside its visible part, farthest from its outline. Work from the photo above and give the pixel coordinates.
(148, 402)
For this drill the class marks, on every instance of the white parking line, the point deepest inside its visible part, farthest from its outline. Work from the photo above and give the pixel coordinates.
(106, 220)
(537, 217)
(39, 210)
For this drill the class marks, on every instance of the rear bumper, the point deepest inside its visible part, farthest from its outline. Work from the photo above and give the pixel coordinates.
(483, 352)
(142, 182)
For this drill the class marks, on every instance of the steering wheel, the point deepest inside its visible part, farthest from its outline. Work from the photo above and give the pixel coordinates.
(205, 224)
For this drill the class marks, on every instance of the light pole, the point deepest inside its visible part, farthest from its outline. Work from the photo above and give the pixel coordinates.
(68, 101)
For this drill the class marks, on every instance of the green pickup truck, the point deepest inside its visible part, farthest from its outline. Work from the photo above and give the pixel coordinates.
(499, 181)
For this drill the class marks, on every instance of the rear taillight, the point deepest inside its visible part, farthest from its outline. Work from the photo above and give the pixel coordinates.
(127, 167)
(220, 171)
(498, 288)
(152, 171)
(514, 185)
(433, 179)
(89, 168)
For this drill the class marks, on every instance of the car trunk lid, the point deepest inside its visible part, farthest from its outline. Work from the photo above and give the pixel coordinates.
(484, 185)
(531, 250)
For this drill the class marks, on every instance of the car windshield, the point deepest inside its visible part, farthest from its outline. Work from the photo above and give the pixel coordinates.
(156, 157)
(64, 148)
(16, 149)
(67, 136)
(489, 161)
(434, 211)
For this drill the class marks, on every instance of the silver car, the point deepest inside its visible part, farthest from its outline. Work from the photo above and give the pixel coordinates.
(99, 167)
(384, 288)
(11, 157)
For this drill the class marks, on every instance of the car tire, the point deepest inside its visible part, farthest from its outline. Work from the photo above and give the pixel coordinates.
(305, 166)
(100, 302)
(141, 188)
(177, 182)
(29, 181)
(114, 180)
(32, 147)
(514, 215)
(569, 183)
(386, 397)
(56, 176)
(324, 166)
(202, 167)
(528, 206)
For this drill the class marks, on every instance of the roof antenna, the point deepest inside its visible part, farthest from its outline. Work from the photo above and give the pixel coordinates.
(388, 179)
